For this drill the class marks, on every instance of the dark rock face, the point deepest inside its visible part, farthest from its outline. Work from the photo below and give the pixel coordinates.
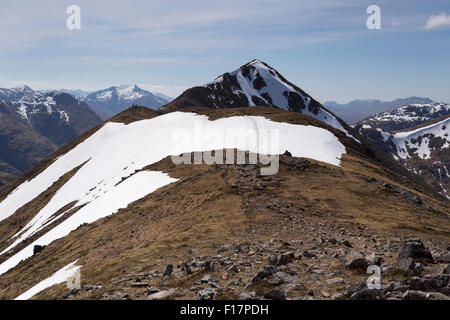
(37, 249)
(414, 248)
(35, 124)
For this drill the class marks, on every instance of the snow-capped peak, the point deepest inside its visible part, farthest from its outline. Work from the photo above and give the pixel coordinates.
(258, 84)
(22, 88)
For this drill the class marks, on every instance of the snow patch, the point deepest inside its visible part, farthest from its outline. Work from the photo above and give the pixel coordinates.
(60, 276)
(117, 151)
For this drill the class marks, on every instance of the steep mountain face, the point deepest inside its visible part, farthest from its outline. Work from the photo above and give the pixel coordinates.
(21, 147)
(115, 203)
(423, 147)
(253, 84)
(48, 120)
(358, 110)
(113, 100)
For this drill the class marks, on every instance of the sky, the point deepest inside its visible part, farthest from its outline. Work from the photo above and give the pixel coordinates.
(324, 47)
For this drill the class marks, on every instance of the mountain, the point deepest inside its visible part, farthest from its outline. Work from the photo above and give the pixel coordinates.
(77, 93)
(35, 124)
(357, 110)
(111, 101)
(114, 204)
(162, 95)
(21, 147)
(408, 116)
(254, 84)
(417, 136)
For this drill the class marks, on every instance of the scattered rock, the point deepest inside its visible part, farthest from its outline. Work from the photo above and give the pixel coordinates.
(429, 284)
(207, 294)
(356, 261)
(162, 295)
(138, 284)
(420, 295)
(406, 265)
(274, 295)
(368, 294)
(152, 290)
(375, 259)
(285, 258)
(335, 281)
(308, 254)
(248, 296)
(207, 278)
(347, 244)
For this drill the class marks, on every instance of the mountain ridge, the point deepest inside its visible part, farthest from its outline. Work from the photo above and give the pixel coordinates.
(357, 110)
(113, 100)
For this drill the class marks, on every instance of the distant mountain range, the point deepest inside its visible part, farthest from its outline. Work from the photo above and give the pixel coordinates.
(34, 124)
(111, 101)
(357, 110)
(418, 137)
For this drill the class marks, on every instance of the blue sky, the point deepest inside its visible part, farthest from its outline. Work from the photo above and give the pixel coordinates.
(322, 46)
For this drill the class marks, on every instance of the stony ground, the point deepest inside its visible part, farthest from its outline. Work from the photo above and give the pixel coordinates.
(331, 265)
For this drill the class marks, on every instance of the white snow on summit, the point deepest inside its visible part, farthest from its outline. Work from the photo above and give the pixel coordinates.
(258, 81)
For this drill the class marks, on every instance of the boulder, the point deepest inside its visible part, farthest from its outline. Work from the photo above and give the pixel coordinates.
(168, 271)
(274, 295)
(414, 248)
(285, 258)
(406, 265)
(429, 284)
(356, 261)
(368, 294)
(420, 295)
(37, 248)
(162, 295)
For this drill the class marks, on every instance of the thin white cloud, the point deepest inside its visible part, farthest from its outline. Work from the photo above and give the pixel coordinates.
(439, 21)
